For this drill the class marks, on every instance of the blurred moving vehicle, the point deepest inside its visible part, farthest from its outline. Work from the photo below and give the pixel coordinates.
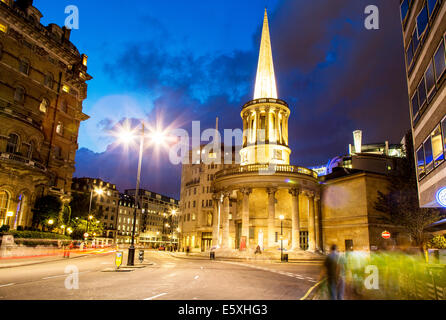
(162, 248)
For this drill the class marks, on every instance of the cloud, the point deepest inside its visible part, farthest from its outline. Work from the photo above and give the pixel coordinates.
(336, 75)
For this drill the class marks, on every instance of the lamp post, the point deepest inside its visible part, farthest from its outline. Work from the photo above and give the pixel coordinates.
(281, 236)
(131, 256)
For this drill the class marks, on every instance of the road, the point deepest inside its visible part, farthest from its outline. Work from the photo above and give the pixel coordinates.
(164, 277)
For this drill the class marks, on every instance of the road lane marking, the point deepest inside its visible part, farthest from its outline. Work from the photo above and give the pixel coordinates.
(7, 285)
(157, 296)
(196, 277)
(62, 275)
(311, 289)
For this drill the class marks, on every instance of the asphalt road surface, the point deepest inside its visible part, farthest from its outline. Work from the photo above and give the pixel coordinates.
(163, 277)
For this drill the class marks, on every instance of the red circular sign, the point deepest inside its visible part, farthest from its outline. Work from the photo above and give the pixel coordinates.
(385, 235)
(85, 235)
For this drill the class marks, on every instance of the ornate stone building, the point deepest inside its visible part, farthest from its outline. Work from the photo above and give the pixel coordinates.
(42, 87)
(266, 187)
(264, 201)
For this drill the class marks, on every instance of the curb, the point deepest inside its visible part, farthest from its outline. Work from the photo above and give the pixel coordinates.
(243, 259)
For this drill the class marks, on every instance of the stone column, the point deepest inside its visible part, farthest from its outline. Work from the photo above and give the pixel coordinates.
(225, 216)
(245, 214)
(271, 216)
(277, 128)
(215, 221)
(257, 133)
(317, 224)
(311, 222)
(267, 128)
(295, 221)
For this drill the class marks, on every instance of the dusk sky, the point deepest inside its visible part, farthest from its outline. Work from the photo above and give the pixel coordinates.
(174, 62)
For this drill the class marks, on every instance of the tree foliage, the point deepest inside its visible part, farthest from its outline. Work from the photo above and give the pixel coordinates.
(45, 208)
(400, 204)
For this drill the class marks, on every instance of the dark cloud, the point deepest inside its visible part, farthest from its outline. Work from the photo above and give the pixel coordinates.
(336, 75)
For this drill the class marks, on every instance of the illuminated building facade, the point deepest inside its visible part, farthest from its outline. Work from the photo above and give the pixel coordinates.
(42, 87)
(158, 220)
(424, 32)
(264, 201)
(104, 198)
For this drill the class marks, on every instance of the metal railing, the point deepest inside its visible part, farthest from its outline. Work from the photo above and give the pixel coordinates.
(265, 100)
(21, 159)
(265, 169)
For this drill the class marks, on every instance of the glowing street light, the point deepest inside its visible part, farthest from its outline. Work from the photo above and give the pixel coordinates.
(51, 222)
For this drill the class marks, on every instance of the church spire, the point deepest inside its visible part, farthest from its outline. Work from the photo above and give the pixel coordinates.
(266, 80)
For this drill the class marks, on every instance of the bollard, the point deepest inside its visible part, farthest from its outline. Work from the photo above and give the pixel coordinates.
(212, 256)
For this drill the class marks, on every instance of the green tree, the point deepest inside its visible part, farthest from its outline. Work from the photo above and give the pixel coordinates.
(400, 204)
(80, 227)
(46, 208)
(80, 204)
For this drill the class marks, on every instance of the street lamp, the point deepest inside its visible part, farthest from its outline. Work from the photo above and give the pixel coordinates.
(88, 221)
(126, 136)
(281, 236)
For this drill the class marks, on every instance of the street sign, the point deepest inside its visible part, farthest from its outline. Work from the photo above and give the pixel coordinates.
(118, 259)
(385, 235)
(141, 256)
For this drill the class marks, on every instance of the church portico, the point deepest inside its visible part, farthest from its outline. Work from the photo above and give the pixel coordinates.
(260, 200)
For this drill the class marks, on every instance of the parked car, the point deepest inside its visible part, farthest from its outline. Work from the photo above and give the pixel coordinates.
(162, 248)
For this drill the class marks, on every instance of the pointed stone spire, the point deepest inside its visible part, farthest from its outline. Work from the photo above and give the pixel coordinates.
(266, 80)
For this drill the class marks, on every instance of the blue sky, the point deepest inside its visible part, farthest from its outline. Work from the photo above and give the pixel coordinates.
(195, 60)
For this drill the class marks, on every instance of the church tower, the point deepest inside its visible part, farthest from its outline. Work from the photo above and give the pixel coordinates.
(265, 118)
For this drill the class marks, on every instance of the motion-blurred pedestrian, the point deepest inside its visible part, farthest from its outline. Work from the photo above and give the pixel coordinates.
(334, 270)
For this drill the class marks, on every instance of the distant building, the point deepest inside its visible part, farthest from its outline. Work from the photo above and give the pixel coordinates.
(197, 217)
(42, 86)
(126, 217)
(105, 204)
(424, 32)
(159, 218)
(382, 158)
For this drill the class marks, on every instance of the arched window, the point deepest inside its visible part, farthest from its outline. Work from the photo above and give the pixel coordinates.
(59, 128)
(13, 143)
(44, 105)
(49, 80)
(4, 206)
(24, 66)
(19, 94)
(63, 106)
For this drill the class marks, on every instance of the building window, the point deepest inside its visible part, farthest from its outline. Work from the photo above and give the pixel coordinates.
(430, 78)
(439, 60)
(428, 156)
(13, 143)
(59, 128)
(24, 66)
(420, 162)
(19, 94)
(3, 28)
(404, 9)
(4, 205)
(44, 105)
(437, 146)
(49, 80)
(422, 93)
(431, 4)
(57, 152)
(422, 21)
(415, 108)
(64, 106)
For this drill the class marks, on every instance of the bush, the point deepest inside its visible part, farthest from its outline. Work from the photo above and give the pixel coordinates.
(37, 235)
(437, 242)
(4, 228)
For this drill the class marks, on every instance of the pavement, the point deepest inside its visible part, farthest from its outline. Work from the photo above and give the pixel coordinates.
(162, 276)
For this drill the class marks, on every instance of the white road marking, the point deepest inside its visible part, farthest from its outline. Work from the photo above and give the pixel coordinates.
(7, 285)
(157, 296)
(62, 275)
(196, 277)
